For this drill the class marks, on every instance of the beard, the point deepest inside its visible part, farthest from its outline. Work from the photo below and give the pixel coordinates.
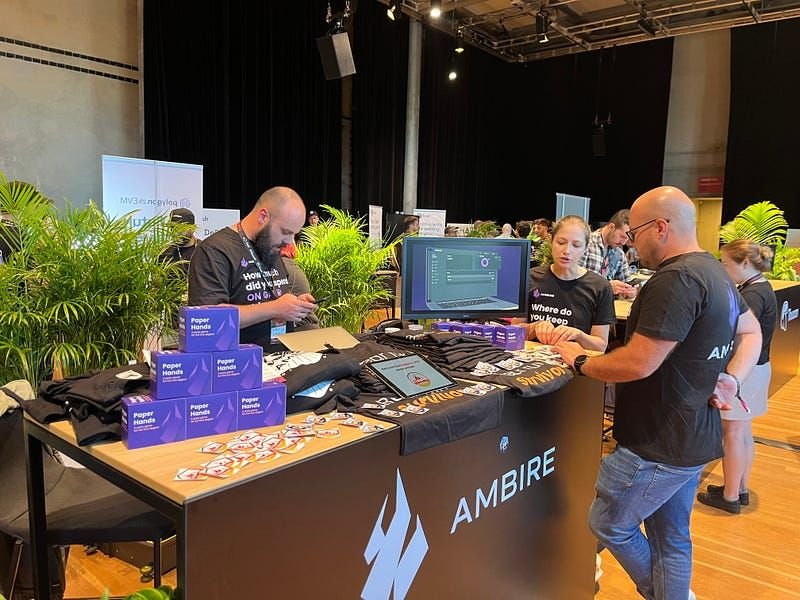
(265, 249)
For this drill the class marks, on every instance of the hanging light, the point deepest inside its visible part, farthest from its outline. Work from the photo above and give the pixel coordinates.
(394, 10)
(453, 74)
(542, 25)
(436, 9)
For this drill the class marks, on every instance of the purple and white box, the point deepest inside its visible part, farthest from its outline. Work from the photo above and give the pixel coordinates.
(442, 326)
(510, 337)
(211, 414)
(147, 421)
(465, 328)
(208, 328)
(236, 370)
(179, 374)
(484, 331)
(263, 407)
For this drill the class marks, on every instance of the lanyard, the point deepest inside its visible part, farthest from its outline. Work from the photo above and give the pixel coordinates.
(753, 279)
(267, 282)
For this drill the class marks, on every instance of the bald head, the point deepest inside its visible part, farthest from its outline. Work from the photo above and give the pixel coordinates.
(279, 199)
(664, 223)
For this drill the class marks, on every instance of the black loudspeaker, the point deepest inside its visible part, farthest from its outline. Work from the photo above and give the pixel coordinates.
(337, 57)
(598, 142)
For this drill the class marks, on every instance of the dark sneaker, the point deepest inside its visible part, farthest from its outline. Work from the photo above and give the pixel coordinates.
(718, 490)
(719, 502)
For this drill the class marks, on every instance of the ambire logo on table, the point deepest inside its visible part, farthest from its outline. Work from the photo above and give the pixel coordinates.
(394, 567)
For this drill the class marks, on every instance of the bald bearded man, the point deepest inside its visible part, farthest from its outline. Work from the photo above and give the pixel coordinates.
(679, 365)
(241, 266)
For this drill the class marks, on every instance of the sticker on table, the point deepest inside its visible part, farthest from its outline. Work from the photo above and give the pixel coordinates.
(290, 445)
(266, 456)
(220, 471)
(190, 475)
(390, 413)
(329, 433)
(214, 448)
(371, 427)
(415, 410)
(351, 422)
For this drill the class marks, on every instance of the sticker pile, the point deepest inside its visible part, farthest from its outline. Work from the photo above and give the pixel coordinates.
(232, 456)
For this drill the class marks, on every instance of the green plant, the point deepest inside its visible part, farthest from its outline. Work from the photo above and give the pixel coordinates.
(81, 291)
(543, 254)
(340, 262)
(484, 229)
(163, 592)
(764, 223)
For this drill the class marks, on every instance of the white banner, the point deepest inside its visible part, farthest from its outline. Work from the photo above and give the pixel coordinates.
(376, 223)
(567, 204)
(215, 219)
(431, 221)
(150, 188)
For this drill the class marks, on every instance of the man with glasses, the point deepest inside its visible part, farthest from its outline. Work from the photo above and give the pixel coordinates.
(678, 366)
(604, 254)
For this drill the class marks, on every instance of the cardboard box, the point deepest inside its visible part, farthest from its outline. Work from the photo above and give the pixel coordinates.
(465, 328)
(484, 331)
(179, 374)
(208, 328)
(236, 370)
(263, 407)
(510, 337)
(147, 421)
(212, 414)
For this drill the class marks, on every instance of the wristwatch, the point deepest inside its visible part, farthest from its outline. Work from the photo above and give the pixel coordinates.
(580, 360)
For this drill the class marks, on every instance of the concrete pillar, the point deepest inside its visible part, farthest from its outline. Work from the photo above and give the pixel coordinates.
(411, 164)
(699, 106)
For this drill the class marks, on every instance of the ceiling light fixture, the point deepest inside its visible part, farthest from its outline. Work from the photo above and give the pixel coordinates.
(542, 25)
(647, 26)
(394, 10)
(436, 9)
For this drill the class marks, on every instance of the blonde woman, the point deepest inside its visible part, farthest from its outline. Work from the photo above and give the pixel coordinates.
(745, 262)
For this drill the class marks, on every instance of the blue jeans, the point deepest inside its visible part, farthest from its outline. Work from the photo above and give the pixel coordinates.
(631, 490)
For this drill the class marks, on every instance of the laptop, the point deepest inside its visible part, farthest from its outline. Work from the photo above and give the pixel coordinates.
(459, 278)
(317, 340)
(410, 375)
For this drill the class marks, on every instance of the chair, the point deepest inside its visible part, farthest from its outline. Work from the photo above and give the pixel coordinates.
(82, 508)
(388, 281)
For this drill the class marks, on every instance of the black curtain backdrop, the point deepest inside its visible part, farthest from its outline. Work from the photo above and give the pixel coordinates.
(764, 128)
(504, 138)
(238, 87)
(379, 107)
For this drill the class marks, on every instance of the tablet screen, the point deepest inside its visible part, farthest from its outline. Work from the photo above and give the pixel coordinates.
(410, 375)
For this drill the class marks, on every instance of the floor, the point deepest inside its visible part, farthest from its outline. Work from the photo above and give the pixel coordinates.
(755, 555)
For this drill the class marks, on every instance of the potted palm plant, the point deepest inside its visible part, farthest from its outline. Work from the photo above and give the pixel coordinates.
(764, 223)
(81, 291)
(342, 264)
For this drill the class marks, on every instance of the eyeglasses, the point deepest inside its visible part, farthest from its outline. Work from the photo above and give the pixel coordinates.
(631, 233)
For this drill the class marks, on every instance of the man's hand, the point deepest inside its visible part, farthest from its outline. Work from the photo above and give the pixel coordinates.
(542, 330)
(724, 392)
(620, 288)
(289, 307)
(569, 351)
(564, 333)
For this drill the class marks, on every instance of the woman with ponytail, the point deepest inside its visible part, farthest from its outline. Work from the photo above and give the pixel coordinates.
(745, 262)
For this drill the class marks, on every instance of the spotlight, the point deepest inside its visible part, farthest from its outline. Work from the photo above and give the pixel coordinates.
(436, 9)
(542, 25)
(393, 11)
(459, 47)
(647, 26)
(452, 75)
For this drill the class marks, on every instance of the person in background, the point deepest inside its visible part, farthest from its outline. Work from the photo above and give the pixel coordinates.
(506, 232)
(569, 302)
(183, 251)
(313, 218)
(605, 256)
(523, 229)
(411, 225)
(745, 262)
(674, 372)
(542, 229)
(241, 266)
(451, 231)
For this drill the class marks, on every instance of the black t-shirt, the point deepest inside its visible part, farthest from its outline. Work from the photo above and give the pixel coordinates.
(580, 303)
(179, 253)
(223, 272)
(761, 300)
(666, 417)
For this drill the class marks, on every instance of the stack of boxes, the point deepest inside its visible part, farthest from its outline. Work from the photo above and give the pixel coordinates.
(508, 337)
(210, 386)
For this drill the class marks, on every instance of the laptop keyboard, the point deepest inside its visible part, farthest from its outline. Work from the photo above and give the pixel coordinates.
(460, 303)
